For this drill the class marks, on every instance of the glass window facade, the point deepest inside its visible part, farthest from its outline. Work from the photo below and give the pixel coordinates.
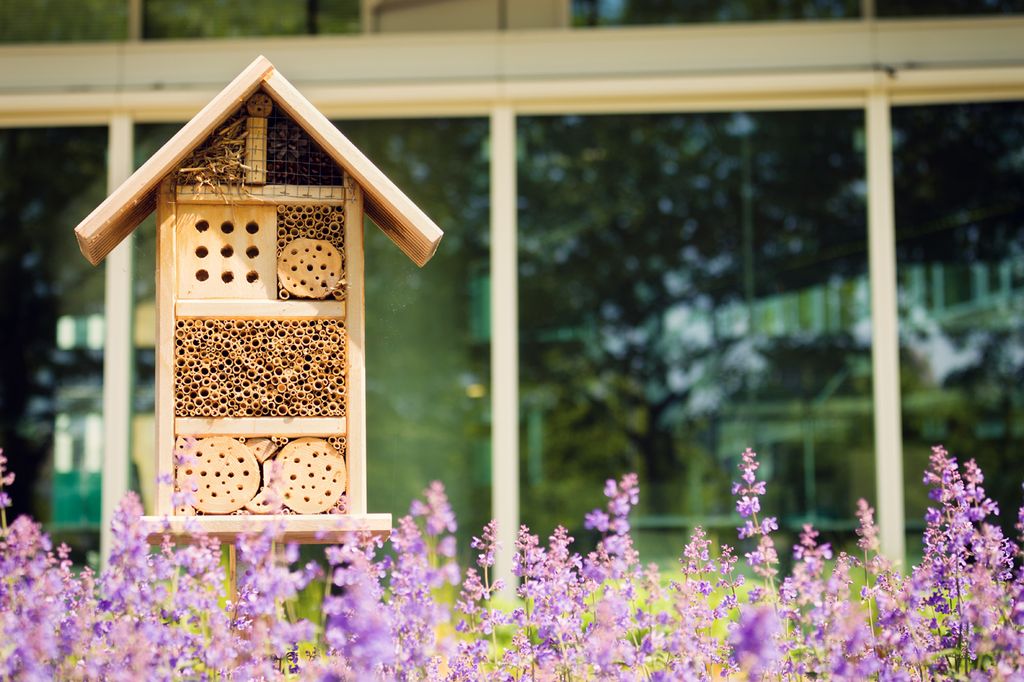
(922, 8)
(691, 285)
(634, 12)
(428, 330)
(958, 172)
(148, 139)
(236, 18)
(51, 354)
(43, 21)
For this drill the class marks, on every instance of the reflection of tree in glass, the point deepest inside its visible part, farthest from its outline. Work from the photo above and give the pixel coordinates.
(960, 250)
(597, 12)
(691, 285)
(51, 179)
(427, 329)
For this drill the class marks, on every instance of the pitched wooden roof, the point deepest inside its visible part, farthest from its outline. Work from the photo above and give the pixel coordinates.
(385, 204)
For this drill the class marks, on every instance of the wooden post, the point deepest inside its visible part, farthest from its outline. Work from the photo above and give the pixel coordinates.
(166, 229)
(356, 327)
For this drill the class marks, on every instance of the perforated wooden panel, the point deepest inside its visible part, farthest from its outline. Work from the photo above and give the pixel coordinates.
(306, 475)
(226, 251)
(259, 368)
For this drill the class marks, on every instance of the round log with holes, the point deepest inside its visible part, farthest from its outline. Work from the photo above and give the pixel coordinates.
(309, 268)
(312, 475)
(222, 474)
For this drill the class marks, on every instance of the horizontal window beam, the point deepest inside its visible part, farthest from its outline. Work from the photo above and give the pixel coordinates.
(646, 68)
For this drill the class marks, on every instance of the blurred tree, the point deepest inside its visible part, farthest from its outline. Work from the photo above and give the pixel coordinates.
(234, 18)
(60, 175)
(691, 285)
(960, 247)
(907, 8)
(428, 330)
(633, 12)
(35, 21)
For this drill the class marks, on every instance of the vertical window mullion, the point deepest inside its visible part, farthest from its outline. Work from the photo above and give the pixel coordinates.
(885, 350)
(117, 348)
(504, 339)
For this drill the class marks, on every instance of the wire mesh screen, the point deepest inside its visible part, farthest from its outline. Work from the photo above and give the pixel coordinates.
(294, 159)
(259, 150)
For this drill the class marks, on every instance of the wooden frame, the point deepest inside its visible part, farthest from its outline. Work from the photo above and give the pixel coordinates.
(171, 307)
(166, 269)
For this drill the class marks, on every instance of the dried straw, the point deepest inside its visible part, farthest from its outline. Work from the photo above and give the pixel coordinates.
(221, 161)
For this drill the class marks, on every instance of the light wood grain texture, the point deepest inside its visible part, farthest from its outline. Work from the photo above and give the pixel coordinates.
(305, 528)
(356, 327)
(408, 226)
(256, 150)
(260, 426)
(244, 309)
(267, 194)
(114, 219)
(221, 473)
(310, 268)
(129, 204)
(165, 287)
(261, 448)
(227, 252)
(312, 475)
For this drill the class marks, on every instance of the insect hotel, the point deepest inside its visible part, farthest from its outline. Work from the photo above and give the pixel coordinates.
(260, 369)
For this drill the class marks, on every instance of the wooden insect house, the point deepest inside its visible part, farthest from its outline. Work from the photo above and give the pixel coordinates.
(260, 373)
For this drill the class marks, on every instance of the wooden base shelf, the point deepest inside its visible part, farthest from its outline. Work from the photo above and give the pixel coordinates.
(304, 528)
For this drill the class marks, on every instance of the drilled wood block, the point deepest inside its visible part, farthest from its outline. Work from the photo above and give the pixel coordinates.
(226, 251)
(221, 472)
(310, 268)
(312, 475)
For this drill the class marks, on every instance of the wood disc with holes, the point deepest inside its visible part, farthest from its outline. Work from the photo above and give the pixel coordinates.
(309, 268)
(224, 472)
(312, 475)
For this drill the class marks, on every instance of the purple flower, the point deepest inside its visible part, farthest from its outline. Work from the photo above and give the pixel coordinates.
(435, 510)
(163, 613)
(487, 544)
(753, 640)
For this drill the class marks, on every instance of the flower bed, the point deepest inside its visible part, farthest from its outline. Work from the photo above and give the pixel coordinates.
(414, 614)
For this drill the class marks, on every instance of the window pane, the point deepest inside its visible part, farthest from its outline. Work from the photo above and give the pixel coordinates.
(960, 255)
(24, 21)
(428, 330)
(227, 18)
(691, 285)
(51, 356)
(628, 12)
(909, 8)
